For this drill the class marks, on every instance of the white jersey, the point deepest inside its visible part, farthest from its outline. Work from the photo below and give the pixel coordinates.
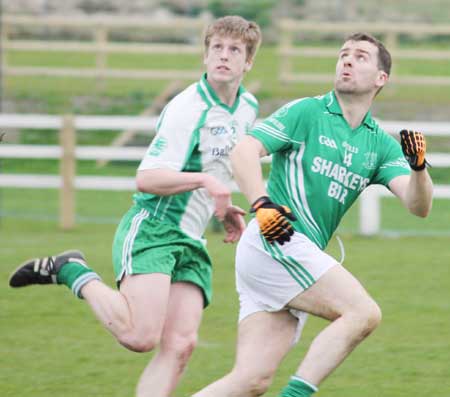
(195, 133)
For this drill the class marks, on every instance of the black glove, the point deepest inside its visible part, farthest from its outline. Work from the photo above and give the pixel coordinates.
(414, 148)
(273, 220)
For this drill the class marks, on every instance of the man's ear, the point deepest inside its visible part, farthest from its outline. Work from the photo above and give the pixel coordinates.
(248, 65)
(382, 78)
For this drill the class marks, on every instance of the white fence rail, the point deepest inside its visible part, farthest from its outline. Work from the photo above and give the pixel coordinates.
(45, 122)
(67, 182)
(100, 41)
(370, 206)
(291, 30)
(142, 124)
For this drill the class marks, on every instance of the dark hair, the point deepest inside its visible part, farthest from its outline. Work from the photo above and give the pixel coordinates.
(384, 57)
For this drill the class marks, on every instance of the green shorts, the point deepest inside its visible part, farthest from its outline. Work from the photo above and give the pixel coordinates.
(143, 245)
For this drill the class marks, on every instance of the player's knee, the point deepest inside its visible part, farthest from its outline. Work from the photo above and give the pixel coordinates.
(369, 317)
(254, 384)
(374, 316)
(259, 384)
(181, 345)
(140, 342)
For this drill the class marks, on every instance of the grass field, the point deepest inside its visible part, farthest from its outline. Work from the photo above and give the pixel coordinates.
(50, 342)
(52, 345)
(101, 207)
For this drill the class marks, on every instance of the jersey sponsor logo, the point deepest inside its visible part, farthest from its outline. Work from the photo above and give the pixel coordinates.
(337, 191)
(342, 179)
(157, 146)
(219, 130)
(221, 151)
(339, 173)
(371, 160)
(324, 140)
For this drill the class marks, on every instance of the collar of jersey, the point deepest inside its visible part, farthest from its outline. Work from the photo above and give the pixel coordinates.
(210, 97)
(333, 106)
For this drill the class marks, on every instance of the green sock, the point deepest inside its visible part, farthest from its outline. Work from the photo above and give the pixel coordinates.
(297, 387)
(75, 276)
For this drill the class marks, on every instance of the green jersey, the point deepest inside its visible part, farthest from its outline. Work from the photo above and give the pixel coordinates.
(320, 165)
(195, 133)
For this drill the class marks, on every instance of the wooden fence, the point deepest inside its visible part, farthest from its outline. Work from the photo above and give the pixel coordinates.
(68, 152)
(290, 30)
(100, 44)
(99, 28)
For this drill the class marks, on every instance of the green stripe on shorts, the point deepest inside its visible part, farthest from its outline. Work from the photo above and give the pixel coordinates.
(277, 255)
(145, 245)
(300, 270)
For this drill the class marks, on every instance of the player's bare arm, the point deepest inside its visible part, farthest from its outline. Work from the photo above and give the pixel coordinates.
(415, 191)
(245, 160)
(273, 219)
(165, 182)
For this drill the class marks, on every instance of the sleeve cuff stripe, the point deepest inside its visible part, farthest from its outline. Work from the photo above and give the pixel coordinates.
(273, 133)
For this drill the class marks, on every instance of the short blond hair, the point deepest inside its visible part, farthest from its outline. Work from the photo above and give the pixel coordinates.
(237, 28)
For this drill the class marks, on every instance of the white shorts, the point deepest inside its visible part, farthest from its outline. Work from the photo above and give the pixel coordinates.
(269, 276)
